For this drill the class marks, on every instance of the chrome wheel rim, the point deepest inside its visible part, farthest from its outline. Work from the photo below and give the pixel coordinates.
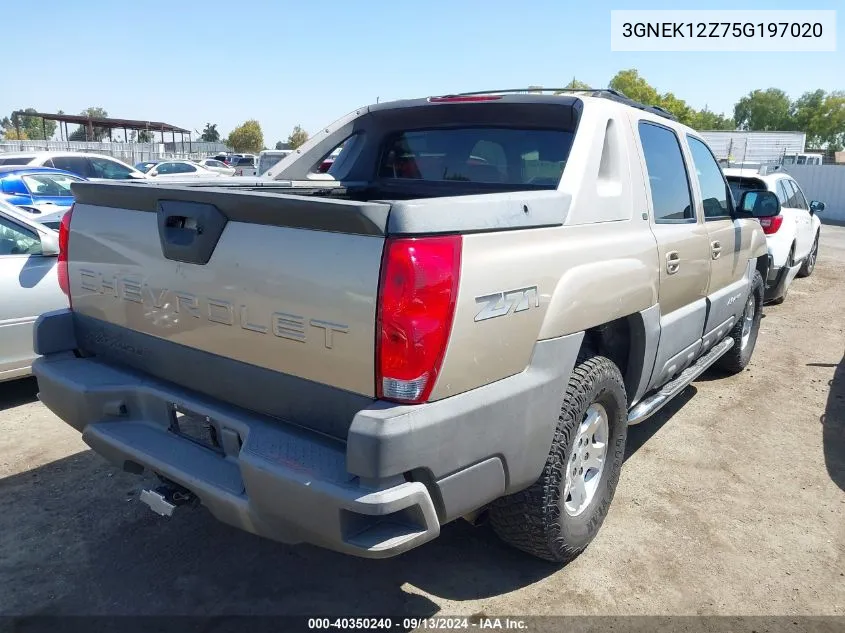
(586, 461)
(748, 319)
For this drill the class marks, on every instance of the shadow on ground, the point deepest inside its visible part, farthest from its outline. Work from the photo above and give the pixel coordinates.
(14, 393)
(639, 434)
(833, 427)
(79, 542)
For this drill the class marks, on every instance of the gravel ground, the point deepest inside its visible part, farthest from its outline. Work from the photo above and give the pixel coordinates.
(731, 501)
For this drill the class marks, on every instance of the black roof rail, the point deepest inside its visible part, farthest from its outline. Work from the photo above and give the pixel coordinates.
(605, 93)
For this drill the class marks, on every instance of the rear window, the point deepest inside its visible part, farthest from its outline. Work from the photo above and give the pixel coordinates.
(513, 156)
(740, 185)
(15, 161)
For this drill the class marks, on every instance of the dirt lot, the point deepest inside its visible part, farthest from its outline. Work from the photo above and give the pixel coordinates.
(732, 501)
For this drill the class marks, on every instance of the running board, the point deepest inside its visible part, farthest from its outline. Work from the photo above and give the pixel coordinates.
(653, 403)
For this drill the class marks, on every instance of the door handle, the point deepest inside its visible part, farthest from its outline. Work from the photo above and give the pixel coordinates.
(673, 262)
(716, 249)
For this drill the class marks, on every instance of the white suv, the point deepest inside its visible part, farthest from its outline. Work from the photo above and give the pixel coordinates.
(792, 236)
(88, 165)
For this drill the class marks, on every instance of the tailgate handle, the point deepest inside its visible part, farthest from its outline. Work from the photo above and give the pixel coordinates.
(189, 231)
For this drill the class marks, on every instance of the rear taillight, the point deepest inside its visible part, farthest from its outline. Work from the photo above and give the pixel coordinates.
(416, 305)
(772, 224)
(64, 239)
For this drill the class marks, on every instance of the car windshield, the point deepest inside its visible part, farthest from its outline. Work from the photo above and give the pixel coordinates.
(49, 184)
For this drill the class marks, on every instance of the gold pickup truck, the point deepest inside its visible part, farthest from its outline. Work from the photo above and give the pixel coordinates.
(460, 318)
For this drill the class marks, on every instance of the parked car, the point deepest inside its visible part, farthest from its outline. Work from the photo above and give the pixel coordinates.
(88, 165)
(793, 235)
(146, 165)
(270, 157)
(29, 286)
(245, 165)
(179, 169)
(464, 315)
(215, 165)
(37, 189)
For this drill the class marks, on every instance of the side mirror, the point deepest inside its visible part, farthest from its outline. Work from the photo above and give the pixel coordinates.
(49, 242)
(759, 204)
(152, 172)
(816, 206)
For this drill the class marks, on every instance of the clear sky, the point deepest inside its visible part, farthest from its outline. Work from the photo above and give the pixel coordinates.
(295, 62)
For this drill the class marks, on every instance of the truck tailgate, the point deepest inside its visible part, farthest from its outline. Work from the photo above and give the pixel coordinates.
(187, 284)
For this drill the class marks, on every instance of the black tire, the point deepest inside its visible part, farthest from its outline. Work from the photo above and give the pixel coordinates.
(535, 520)
(738, 356)
(809, 264)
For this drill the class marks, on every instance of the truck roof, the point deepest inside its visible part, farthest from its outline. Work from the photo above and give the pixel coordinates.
(565, 96)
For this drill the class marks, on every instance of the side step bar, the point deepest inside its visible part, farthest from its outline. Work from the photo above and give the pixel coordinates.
(653, 403)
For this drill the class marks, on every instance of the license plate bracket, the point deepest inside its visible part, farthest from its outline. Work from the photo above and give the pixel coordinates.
(200, 429)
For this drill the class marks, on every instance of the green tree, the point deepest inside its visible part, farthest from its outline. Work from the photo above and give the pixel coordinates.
(297, 137)
(210, 133)
(97, 133)
(764, 110)
(575, 84)
(281, 145)
(31, 127)
(707, 120)
(629, 83)
(821, 116)
(247, 137)
(145, 136)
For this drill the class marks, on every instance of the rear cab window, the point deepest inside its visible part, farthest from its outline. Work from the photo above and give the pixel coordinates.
(513, 155)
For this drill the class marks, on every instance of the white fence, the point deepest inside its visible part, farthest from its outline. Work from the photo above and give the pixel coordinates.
(130, 153)
(825, 183)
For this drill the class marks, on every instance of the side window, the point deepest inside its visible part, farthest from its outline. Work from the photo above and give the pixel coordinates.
(791, 202)
(17, 240)
(783, 196)
(104, 168)
(165, 168)
(667, 175)
(800, 200)
(714, 190)
(74, 164)
(183, 168)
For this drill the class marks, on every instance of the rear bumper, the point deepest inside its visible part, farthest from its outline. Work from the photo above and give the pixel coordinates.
(403, 471)
(270, 479)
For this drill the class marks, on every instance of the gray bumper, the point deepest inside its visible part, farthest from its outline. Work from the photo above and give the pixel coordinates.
(402, 472)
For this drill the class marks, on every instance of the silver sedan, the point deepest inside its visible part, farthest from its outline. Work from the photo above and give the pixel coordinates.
(29, 286)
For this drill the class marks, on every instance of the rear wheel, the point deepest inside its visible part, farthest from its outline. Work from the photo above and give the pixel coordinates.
(744, 333)
(560, 514)
(810, 263)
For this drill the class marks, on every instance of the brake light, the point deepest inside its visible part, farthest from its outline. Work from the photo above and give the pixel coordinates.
(416, 304)
(64, 240)
(772, 224)
(466, 99)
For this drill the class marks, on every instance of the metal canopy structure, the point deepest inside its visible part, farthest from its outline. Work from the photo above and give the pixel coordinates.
(89, 123)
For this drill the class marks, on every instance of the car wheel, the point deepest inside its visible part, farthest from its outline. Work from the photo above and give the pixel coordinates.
(810, 263)
(744, 333)
(559, 515)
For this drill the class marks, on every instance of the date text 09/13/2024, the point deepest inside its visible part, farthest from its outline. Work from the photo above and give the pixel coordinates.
(428, 624)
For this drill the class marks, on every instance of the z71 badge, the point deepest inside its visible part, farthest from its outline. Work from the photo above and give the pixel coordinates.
(502, 303)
